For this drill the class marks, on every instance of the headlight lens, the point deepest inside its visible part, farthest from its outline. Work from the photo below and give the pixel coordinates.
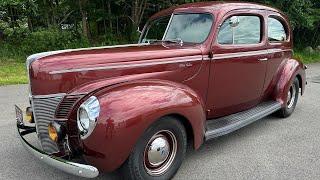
(84, 119)
(87, 116)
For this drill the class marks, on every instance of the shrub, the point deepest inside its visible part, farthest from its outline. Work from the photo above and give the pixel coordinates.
(110, 39)
(307, 57)
(21, 42)
(49, 40)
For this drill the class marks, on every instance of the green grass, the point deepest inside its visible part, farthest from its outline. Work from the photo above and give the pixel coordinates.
(306, 57)
(13, 71)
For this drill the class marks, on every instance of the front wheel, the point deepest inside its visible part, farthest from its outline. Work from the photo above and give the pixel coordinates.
(292, 99)
(159, 152)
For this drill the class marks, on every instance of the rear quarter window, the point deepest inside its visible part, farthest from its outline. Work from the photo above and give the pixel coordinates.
(276, 30)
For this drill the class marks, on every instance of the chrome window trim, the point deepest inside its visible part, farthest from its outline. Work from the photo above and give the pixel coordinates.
(169, 23)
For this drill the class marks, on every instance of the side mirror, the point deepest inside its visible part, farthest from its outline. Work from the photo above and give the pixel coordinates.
(234, 21)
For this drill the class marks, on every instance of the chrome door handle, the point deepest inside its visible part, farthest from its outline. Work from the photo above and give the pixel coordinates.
(263, 59)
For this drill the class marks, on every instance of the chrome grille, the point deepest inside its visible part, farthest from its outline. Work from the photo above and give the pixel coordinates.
(44, 109)
(66, 106)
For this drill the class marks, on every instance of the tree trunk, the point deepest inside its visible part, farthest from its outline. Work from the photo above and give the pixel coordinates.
(30, 25)
(54, 6)
(85, 24)
(117, 25)
(109, 15)
(137, 12)
(51, 13)
(142, 9)
(46, 14)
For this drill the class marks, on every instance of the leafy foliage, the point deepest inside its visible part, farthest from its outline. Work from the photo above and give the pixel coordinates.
(59, 24)
(31, 26)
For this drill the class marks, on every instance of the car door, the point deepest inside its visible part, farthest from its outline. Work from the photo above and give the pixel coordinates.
(238, 63)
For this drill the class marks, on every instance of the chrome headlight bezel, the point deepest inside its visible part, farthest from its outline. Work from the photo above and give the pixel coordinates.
(87, 116)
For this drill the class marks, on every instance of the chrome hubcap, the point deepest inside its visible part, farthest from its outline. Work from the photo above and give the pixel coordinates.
(160, 152)
(291, 97)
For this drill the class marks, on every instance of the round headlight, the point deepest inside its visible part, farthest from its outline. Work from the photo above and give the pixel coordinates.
(84, 121)
(87, 116)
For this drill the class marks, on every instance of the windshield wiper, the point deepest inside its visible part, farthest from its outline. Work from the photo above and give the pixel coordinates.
(177, 41)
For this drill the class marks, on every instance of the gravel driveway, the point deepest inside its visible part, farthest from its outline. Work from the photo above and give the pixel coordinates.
(268, 149)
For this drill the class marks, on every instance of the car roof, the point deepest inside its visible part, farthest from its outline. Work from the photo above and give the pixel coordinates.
(214, 6)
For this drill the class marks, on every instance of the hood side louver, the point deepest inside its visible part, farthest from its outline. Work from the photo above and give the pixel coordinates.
(66, 106)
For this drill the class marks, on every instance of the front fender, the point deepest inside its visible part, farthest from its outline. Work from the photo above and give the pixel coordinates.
(128, 109)
(292, 69)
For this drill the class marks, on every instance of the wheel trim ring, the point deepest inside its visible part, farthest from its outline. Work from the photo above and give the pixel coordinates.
(291, 96)
(162, 168)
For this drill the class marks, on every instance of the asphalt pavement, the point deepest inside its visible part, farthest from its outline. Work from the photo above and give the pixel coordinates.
(271, 148)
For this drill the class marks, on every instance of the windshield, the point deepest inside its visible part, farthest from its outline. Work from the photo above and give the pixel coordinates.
(192, 28)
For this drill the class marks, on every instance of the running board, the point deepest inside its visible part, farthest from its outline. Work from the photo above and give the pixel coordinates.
(225, 125)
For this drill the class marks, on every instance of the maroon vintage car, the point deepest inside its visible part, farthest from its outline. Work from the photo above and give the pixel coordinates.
(199, 71)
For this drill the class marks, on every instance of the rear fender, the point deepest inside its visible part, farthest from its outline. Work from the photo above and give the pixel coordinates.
(292, 69)
(128, 109)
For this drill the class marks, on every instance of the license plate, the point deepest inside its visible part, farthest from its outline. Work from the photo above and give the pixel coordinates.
(19, 115)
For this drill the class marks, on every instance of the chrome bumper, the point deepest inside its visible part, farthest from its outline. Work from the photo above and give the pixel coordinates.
(58, 163)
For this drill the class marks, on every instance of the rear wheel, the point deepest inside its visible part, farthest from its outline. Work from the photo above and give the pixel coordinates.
(292, 99)
(159, 153)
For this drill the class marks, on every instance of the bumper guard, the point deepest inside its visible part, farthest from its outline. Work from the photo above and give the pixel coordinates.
(77, 169)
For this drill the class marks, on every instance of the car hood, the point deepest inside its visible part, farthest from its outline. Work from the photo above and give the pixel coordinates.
(62, 71)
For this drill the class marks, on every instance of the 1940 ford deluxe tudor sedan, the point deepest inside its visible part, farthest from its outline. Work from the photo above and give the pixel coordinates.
(199, 71)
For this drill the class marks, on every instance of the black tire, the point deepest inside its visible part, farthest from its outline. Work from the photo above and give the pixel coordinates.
(290, 103)
(135, 167)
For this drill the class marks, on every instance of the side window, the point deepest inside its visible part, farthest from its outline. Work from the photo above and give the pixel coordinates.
(241, 30)
(156, 29)
(193, 28)
(276, 30)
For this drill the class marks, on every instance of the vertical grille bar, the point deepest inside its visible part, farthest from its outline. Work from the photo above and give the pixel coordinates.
(44, 110)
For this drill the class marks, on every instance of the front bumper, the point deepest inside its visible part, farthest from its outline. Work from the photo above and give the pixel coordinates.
(56, 162)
